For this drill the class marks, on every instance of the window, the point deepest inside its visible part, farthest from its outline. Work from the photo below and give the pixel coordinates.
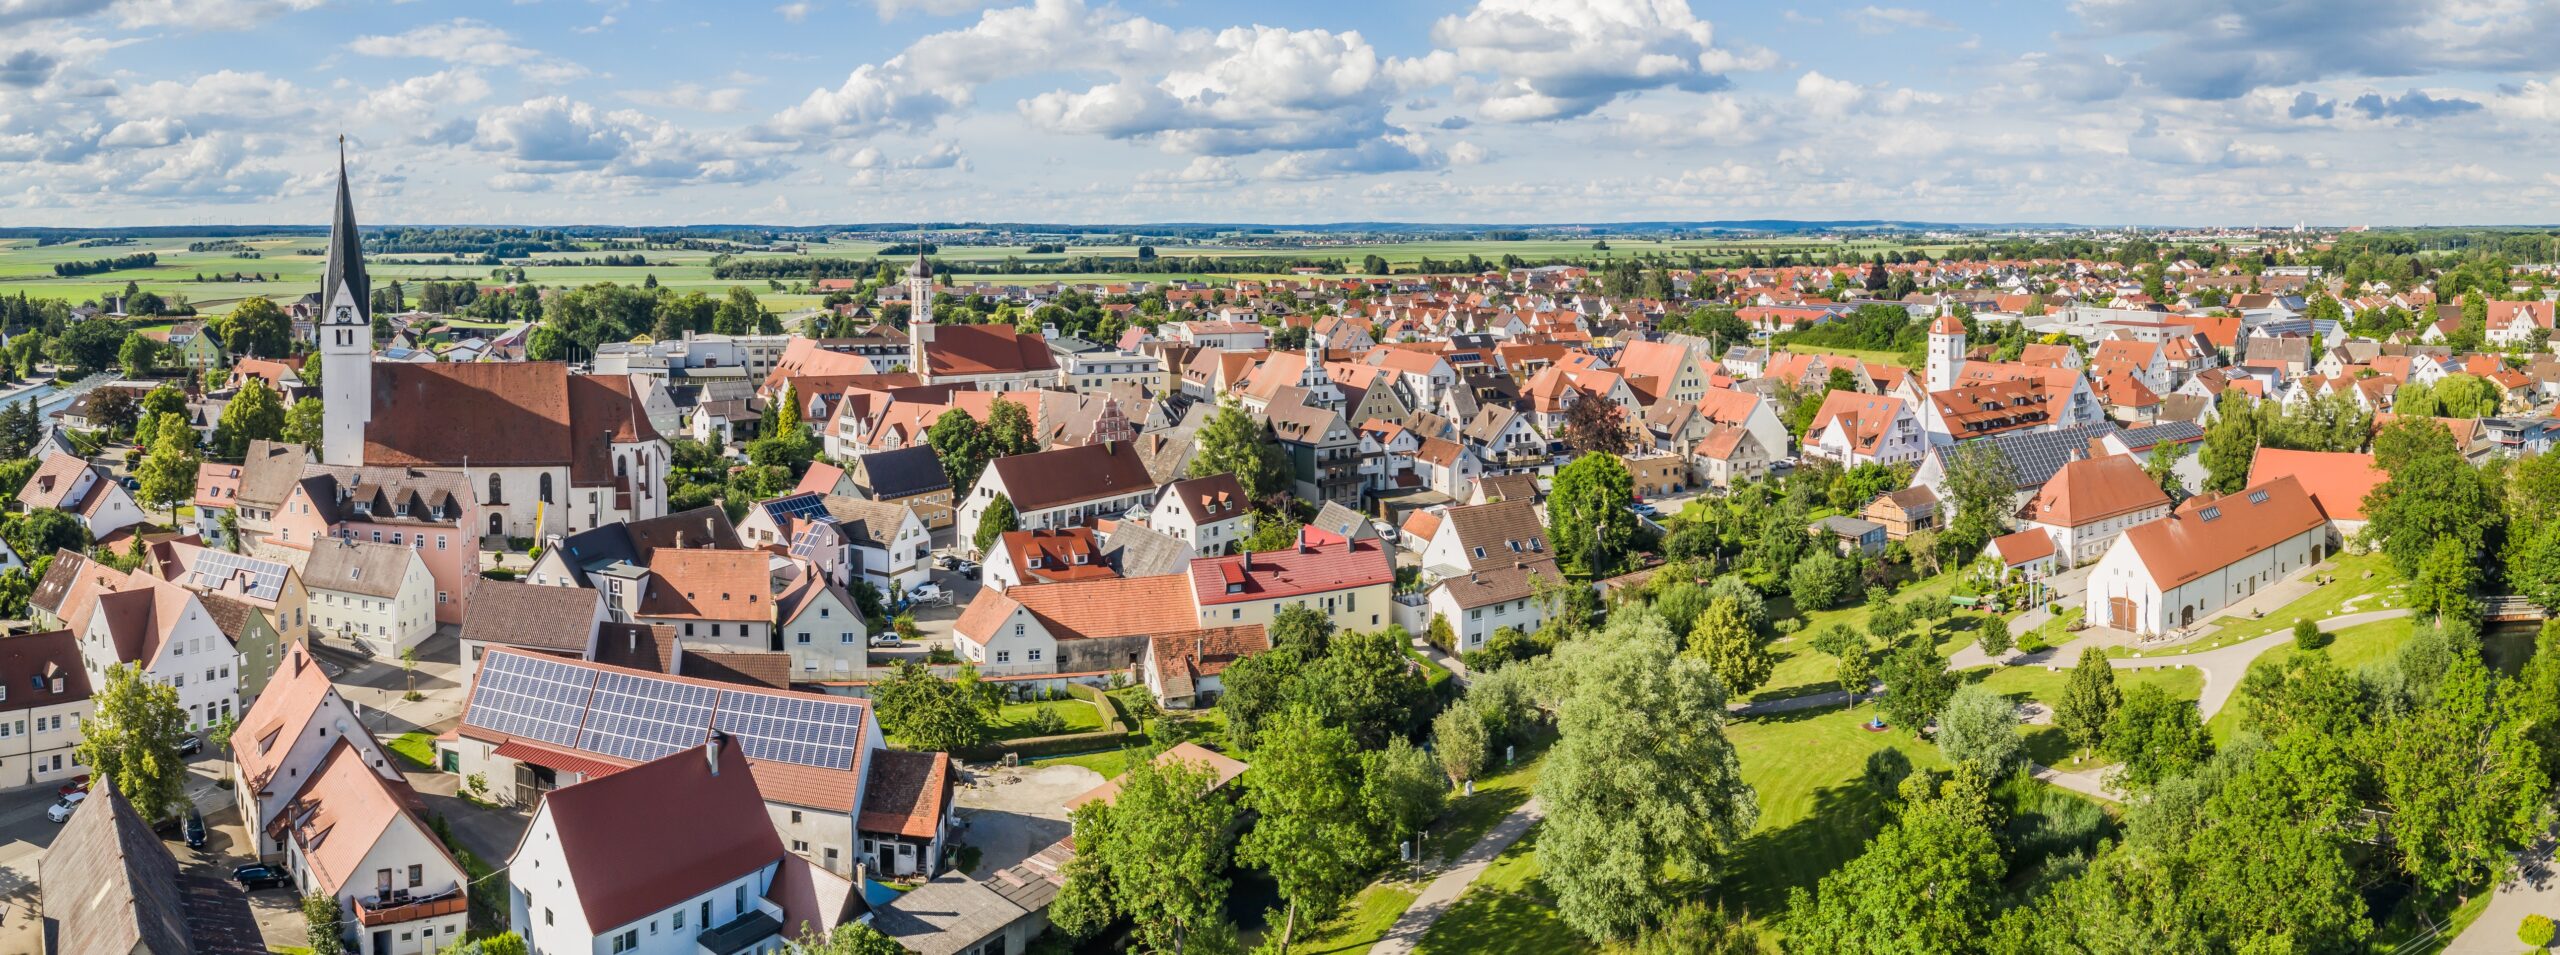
(417, 876)
(1004, 656)
(440, 596)
(804, 636)
(738, 903)
(677, 923)
(543, 488)
(1035, 656)
(845, 637)
(627, 941)
(798, 845)
(706, 913)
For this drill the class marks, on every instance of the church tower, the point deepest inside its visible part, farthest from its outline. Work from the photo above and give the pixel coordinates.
(1946, 351)
(345, 330)
(919, 316)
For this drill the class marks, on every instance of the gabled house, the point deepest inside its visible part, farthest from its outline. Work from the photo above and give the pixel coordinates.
(69, 483)
(1323, 451)
(109, 885)
(1185, 670)
(1854, 428)
(1209, 513)
(1500, 593)
(379, 594)
(910, 476)
(164, 630)
(44, 694)
(362, 839)
(820, 626)
(1351, 581)
(2215, 550)
(1067, 487)
(2092, 501)
(1480, 536)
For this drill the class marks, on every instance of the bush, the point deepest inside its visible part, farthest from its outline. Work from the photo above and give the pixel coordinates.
(1995, 637)
(499, 573)
(2308, 635)
(1789, 625)
(1046, 722)
(2536, 930)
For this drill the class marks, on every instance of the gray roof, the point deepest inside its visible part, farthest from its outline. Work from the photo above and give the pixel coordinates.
(111, 884)
(2169, 431)
(1337, 519)
(875, 522)
(1851, 527)
(947, 915)
(631, 541)
(1137, 550)
(2036, 455)
(905, 472)
(345, 265)
(357, 567)
(526, 615)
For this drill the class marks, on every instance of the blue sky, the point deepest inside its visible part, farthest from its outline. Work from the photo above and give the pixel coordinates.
(659, 112)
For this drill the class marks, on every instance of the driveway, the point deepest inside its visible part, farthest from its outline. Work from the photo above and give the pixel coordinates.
(934, 621)
(378, 687)
(1008, 814)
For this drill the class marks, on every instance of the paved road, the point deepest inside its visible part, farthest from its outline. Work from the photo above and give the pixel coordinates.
(2533, 888)
(1443, 892)
(2223, 668)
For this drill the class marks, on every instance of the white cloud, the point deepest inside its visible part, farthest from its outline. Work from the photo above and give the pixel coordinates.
(1260, 88)
(223, 98)
(417, 97)
(1558, 59)
(1721, 119)
(943, 155)
(202, 14)
(2535, 100)
(892, 9)
(1882, 20)
(871, 99)
(793, 12)
(457, 41)
(1834, 98)
(622, 149)
(692, 96)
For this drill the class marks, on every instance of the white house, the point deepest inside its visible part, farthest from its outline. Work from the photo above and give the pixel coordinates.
(1211, 514)
(163, 628)
(820, 627)
(1477, 603)
(2090, 502)
(1068, 487)
(1855, 428)
(44, 693)
(352, 835)
(282, 739)
(68, 482)
(381, 595)
(2214, 551)
(670, 857)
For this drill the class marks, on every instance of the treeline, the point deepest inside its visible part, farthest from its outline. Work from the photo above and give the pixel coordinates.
(138, 260)
(487, 244)
(218, 245)
(634, 259)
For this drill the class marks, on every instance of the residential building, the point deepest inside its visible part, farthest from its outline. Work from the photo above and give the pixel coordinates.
(1083, 626)
(1323, 451)
(109, 885)
(357, 837)
(578, 559)
(1855, 428)
(1901, 512)
(1068, 487)
(1501, 594)
(283, 739)
(429, 512)
(1854, 537)
(557, 620)
(1186, 670)
(69, 483)
(909, 476)
(723, 598)
(44, 693)
(2338, 481)
(2090, 502)
(380, 595)
(820, 627)
(1483, 536)
(1350, 582)
(1210, 513)
(1044, 557)
(164, 630)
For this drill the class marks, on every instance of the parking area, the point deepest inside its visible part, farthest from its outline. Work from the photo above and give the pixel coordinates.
(932, 620)
(1008, 814)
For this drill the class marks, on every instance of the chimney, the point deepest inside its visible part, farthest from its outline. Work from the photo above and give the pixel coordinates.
(711, 750)
(679, 540)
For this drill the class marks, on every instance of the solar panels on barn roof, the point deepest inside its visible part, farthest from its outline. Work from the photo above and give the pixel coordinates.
(640, 716)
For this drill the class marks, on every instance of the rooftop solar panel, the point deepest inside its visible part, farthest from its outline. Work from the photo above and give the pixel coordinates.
(259, 579)
(531, 697)
(798, 505)
(638, 718)
(641, 716)
(794, 729)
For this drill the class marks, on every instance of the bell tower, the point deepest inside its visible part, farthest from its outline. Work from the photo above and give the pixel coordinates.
(1946, 351)
(345, 331)
(919, 316)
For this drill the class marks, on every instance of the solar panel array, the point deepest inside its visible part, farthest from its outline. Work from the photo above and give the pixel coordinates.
(640, 716)
(812, 506)
(263, 578)
(793, 729)
(531, 697)
(637, 718)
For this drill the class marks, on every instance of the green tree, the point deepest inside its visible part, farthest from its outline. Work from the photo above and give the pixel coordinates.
(1459, 738)
(164, 400)
(1643, 793)
(45, 530)
(1230, 442)
(253, 414)
(1402, 789)
(139, 355)
(931, 713)
(2089, 700)
(1724, 638)
(961, 444)
(850, 938)
(131, 737)
(2430, 493)
(2230, 444)
(1980, 483)
(1823, 580)
(1917, 685)
(1587, 516)
(2444, 583)
(320, 924)
(2465, 781)
(1930, 882)
(1310, 831)
(168, 474)
(998, 519)
(88, 347)
(1979, 728)
(2156, 736)
(255, 328)
(304, 422)
(1155, 854)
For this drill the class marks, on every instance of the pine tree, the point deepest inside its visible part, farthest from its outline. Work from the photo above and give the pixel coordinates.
(2088, 701)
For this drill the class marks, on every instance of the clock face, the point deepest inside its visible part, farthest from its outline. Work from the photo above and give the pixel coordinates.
(345, 316)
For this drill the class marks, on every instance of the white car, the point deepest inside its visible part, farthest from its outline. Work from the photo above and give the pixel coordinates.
(61, 811)
(929, 593)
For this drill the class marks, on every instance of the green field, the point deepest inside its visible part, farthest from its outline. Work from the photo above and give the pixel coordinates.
(29, 269)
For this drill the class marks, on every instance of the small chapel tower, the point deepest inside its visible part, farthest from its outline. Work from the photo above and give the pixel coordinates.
(919, 316)
(1946, 351)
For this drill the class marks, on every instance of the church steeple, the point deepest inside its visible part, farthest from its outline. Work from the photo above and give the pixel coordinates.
(345, 266)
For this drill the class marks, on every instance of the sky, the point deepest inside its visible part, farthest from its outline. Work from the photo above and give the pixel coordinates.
(658, 112)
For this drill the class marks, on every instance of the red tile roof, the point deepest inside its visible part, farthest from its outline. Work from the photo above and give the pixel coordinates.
(1288, 573)
(1117, 607)
(708, 585)
(2337, 481)
(2090, 490)
(649, 837)
(2211, 532)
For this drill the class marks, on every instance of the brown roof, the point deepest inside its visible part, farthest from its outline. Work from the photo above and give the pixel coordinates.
(986, 349)
(2090, 490)
(1309, 568)
(344, 808)
(30, 662)
(708, 585)
(656, 834)
(1513, 579)
(1226, 768)
(276, 718)
(57, 587)
(1179, 660)
(1048, 479)
(1210, 499)
(360, 567)
(51, 484)
(2212, 532)
(908, 795)
(1116, 607)
(270, 471)
(528, 615)
(522, 414)
(2023, 546)
(1505, 531)
(637, 646)
(767, 669)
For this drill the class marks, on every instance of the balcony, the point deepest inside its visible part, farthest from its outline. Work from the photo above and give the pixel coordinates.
(404, 906)
(744, 932)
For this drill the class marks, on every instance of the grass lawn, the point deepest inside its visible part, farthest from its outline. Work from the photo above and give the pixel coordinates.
(1816, 808)
(1468, 818)
(1362, 923)
(1799, 669)
(1506, 911)
(1109, 763)
(2350, 649)
(1014, 720)
(416, 747)
(2327, 601)
(2047, 744)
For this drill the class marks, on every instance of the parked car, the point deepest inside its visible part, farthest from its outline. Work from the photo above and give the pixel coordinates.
(194, 830)
(1647, 509)
(964, 567)
(61, 811)
(949, 561)
(78, 784)
(886, 639)
(929, 593)
(255, 877)
(190, 745)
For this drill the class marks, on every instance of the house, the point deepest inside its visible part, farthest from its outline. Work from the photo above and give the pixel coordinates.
(1482, 536)
(1655, 473)
(1068, 487)
(282, 740)
(1754, 413)
(1855, 428)
(1901, 512)
(1209, 513)
(1727, 455)
(44, 694)
(723, 598)
(1222, 769)
(2027, 554)
(536, 723)
(1351, 582)
(579, 559)
(2213, 551)
(555, 620)
(910, 476)
(1045, 557)
(1184, 670)
(2338, 482)
(820, 627)
(217, 495)
(1855, 537)
(706, 878)
(69, 483)
(850, 538)
(2090, 502)
(360, 838)
(1500, 594)
(380, 595)
(402, 507)
(164, 630)
(109, 885)
(273, 590)
(1322, 449)
(1083, 626)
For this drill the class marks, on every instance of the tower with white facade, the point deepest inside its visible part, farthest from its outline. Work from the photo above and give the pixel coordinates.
(1946, 351)
(919, 314)
(345, 333)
